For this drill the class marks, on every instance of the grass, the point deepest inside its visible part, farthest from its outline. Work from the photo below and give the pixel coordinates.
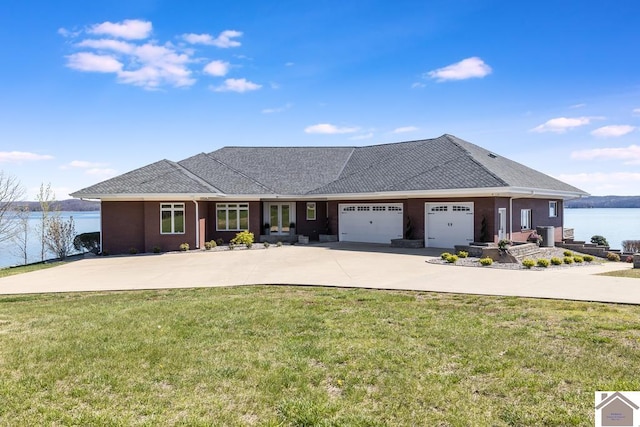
(5, 272)
(295, 356)
(633, 273)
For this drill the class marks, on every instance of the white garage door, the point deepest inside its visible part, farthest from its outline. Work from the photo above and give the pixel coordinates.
(370, 222)
(448, 224)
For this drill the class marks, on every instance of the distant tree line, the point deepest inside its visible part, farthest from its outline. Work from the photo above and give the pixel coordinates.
(604, 202)
(69, 205)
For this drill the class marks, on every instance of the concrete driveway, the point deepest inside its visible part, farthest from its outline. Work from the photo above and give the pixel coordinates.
(335, 264)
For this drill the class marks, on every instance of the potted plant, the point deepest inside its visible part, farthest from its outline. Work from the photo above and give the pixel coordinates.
(267, 228)
(292, 228)
(535, 238)
(504, 244)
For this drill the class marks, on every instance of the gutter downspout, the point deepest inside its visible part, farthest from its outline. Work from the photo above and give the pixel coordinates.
(197, 225)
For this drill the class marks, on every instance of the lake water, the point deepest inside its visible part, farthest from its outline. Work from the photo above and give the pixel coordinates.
(84, 222)
(614, 224)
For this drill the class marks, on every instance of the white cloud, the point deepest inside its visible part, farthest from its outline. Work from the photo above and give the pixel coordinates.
(108, 44)
(224, 39)
(82, 164)
(612, 131)
(636, 111)
(418, 85)
(361, 137)
(21, 156)
(131, 29)
(68, 33)
(405, 129)
(217, 68)
(289, 64)
(562, 124)
(278, 109)
(236, 85)
(326, 128)
(469, 68)
(577, 106)
(630, 155)
(87, 61)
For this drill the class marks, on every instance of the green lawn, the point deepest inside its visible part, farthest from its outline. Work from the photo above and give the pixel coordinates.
(4, 272)
(633, 273)
(309, 356)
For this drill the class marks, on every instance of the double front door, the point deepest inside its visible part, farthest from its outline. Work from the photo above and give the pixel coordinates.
(280, 216)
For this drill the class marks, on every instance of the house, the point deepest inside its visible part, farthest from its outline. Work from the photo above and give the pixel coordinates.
(444, 190)
(616, 410)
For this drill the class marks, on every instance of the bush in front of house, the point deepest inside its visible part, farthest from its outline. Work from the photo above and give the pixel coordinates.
(568, 260)
(588, 258)
(87, 241)
(567, 253)
(542, 262)
(133, 251)
(599, 240)
(266, 245)
(578, 259)
(210, 245)
(184, 247)
(219, 242)
(629, 258)
(445, 255)
(243, 238)
(463, 254)
(612, 256)
(486, 261)
(451, 259)
(528, 263)
(555, 261)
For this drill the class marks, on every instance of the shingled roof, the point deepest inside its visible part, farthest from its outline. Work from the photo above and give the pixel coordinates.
(443, 163)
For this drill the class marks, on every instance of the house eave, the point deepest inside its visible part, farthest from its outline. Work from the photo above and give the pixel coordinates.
(514, 192)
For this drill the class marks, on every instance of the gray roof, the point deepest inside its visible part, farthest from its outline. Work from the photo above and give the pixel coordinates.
(443, 163)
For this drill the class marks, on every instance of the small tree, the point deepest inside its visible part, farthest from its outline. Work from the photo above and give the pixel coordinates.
(11, 191)
(59, 236)
(46, 197)
(21, 238)
(599, 240)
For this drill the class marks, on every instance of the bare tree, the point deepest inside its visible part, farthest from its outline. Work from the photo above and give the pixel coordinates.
(21, 238)
(46, 197)
(59, 236)
(11, 191)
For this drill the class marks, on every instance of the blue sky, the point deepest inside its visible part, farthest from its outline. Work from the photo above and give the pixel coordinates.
(94, 89)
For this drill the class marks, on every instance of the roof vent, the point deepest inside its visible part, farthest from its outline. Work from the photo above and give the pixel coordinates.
(493, 156)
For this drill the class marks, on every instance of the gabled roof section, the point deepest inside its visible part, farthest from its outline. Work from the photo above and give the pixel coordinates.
(163, 177)
(226, 179)
(512, 173)
(286, 170)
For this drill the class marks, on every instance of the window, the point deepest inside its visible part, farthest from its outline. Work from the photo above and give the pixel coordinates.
(553, 209)
(232, 216)
(311, 211)
(525, 219)
(172, 218)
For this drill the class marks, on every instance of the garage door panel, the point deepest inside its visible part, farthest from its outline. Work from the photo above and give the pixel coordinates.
(370, 222)
(448, 224)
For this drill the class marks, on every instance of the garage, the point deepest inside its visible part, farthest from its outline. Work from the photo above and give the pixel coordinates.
(448, 224)
(370, 222)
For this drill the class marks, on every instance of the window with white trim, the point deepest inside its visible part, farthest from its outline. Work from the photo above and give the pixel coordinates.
(525, 219)
(172, 218)
(553, 209)
(311, 211)
(232, 216)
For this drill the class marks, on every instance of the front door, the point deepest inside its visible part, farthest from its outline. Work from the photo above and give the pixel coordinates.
(280, 216)
(502, 222)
